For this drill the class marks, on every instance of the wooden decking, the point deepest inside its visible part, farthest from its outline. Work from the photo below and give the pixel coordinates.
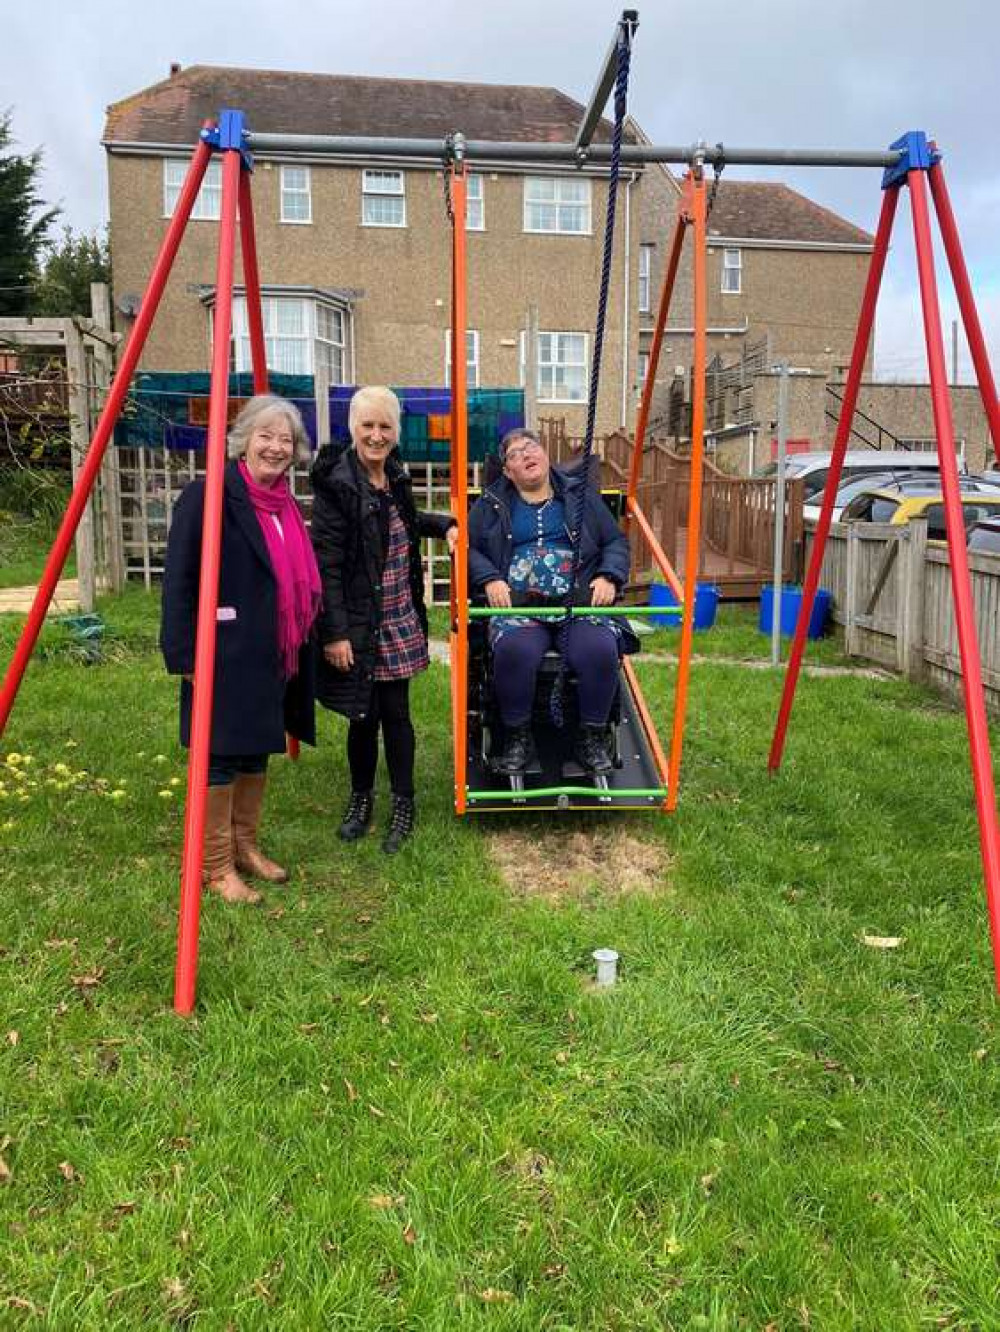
(17, 600)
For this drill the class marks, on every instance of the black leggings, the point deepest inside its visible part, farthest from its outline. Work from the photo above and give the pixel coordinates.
(390, 709)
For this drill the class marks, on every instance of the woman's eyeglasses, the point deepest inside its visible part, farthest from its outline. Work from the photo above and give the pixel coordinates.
(519, 451)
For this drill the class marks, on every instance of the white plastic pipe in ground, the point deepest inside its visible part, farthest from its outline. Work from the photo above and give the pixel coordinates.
(607, 965)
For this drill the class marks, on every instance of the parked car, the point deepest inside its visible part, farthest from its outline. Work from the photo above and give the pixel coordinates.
(854, 486)
(895, 506)
(984, 536)
(814, 468)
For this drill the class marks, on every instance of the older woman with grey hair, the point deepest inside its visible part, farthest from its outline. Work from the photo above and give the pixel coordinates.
(269, 596)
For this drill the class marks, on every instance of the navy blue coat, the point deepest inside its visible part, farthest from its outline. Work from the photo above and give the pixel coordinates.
(604, 548)
(253, 706)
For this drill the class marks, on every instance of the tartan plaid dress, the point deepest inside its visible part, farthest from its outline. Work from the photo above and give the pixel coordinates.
(402, 647)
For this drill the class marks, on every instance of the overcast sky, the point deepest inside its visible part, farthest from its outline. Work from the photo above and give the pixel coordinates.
(788, 73)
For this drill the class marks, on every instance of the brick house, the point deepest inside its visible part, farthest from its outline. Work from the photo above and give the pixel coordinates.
(354, 256)
(785, 278)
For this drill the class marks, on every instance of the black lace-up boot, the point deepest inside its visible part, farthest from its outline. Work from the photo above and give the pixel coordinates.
(592, 750)
(518, 751)
(401, 823)
(357, 816)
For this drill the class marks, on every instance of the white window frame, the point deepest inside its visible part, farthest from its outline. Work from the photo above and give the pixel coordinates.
(641, 371)
(339, 346)
(371, 176)
(532, 185)
(208, 205)
(471, 363)
(584, 365)
(307, 339)
(645, 278)
(729, 267)
(471, 199)
(295, 192)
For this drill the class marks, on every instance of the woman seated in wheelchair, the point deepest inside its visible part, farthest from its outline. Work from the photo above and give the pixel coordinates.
(521, 553)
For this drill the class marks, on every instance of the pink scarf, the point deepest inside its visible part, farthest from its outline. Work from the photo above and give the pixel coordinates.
(293, 562)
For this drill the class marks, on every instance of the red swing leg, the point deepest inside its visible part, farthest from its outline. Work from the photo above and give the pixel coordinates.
(965, 620)
(98, 446)
(862, 337)
(208, 598)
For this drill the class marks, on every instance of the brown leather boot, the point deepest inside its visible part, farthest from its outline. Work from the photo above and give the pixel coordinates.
(218, 869)
(248, 800)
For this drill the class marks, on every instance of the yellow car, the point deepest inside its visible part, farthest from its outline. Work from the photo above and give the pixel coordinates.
(891, 506)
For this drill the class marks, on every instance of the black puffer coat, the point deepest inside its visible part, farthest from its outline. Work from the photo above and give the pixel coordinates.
(351, 541)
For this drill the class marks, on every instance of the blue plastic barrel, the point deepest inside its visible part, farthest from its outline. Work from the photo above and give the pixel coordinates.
(791, 603)
(706, 603)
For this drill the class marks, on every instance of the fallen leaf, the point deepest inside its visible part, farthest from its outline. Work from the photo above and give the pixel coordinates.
(429, 1018)
(352, 1094)
(124, 1208)
(379, 1114)
(562, 1057)
(410, 1235)
(881, 941)
(364, 918)
(708, 1181)
(384, 1201)
(13, 1037)
(5, 1171)
(553, 1270)
(275, 913)
(493, 1296)
(61, 943)
(306, 1027)
(69, 1173)
(19, 1302)
(89, 980)
(980, 1054)
(173, 1288)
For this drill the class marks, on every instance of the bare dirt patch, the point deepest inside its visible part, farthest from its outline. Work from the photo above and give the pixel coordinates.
(564, 865)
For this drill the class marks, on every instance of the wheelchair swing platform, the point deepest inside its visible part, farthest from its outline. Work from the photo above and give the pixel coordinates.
(557, 782)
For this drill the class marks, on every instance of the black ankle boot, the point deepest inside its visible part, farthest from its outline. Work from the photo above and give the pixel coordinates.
(518, 752)
(592, 750)
(357, 816)
(401, 823)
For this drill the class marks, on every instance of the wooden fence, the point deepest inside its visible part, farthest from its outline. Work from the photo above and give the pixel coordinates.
(892, 593)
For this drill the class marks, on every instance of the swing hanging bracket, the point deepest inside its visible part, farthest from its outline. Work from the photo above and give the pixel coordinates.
(916, 153)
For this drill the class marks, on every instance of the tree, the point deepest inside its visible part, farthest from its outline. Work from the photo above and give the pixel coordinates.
(70, 265)
(24, 223)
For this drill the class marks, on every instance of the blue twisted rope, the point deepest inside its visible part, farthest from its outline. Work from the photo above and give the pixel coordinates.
(579, 499)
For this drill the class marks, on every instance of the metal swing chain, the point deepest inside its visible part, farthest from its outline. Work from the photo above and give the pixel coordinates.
(575, 516)
(449, 157)
(718, 166)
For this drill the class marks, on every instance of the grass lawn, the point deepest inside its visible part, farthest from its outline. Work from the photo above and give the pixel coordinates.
(402, 1105)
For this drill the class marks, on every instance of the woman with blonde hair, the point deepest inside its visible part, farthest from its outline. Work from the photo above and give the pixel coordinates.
(366, 532)
(269, 595)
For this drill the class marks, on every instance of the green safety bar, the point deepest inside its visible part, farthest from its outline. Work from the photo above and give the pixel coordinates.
(552, 612)
(529, 793)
